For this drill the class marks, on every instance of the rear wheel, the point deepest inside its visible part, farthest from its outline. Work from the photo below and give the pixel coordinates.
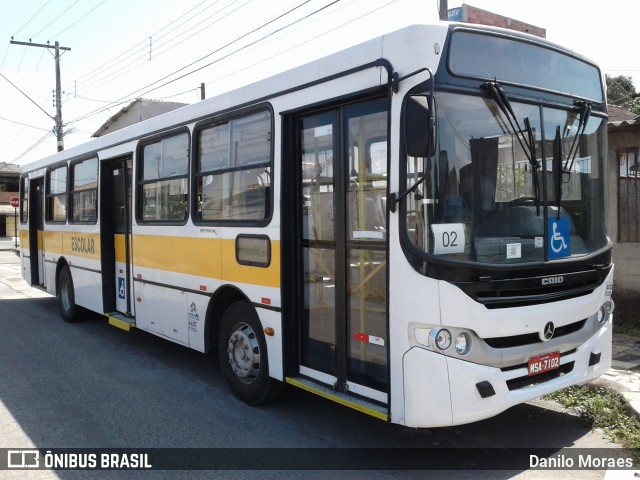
(66, 296)
(242, 351)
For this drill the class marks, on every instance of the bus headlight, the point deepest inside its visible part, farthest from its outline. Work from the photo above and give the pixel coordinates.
(443, 339)
(463, 343)
(604, 311)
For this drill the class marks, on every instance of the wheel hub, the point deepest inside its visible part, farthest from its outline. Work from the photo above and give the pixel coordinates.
(244, 353)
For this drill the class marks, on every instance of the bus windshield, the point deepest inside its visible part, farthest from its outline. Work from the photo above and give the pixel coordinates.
(478, 202)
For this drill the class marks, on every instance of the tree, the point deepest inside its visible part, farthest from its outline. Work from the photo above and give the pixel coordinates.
(622, 93)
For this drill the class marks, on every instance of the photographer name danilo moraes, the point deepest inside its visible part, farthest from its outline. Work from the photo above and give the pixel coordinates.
(583, 461)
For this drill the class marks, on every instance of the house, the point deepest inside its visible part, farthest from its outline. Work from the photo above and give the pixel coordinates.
(137, 111)
(469, 14)
(624, 204)
(9, 182)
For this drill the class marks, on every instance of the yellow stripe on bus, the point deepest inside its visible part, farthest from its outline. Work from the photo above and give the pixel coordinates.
(52, 241)
(120, 248)
(24, 239)
(203, 257)
(79, 244)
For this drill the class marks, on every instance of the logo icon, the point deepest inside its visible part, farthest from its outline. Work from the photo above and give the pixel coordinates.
(559, 237)
(23, 458)
(121, 292)
(547, 333)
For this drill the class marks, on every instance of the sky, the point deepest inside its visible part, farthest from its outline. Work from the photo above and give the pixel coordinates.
(164, 50)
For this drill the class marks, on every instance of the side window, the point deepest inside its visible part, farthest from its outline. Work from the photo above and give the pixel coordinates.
(233, 169)
(163, 181)
(24, 200)
(84, 193)
(56, 196)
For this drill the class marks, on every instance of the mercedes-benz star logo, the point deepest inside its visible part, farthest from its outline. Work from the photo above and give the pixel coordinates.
(547, 333)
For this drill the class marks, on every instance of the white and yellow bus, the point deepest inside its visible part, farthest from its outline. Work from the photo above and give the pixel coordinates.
(413, 227)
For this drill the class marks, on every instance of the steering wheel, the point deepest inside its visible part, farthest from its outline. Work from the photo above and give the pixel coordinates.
(523, 201)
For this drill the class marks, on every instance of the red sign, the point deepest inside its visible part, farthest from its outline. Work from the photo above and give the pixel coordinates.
(15, 202)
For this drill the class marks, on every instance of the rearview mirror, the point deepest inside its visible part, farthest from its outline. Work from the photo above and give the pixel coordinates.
(419, 127)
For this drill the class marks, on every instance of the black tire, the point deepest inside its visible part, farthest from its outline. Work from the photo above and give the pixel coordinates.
(242, 351)
(66, 296)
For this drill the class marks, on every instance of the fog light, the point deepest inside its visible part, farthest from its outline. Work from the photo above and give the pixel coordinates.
(610, 306)
(463, 343)
(443, 339)
(601, 316)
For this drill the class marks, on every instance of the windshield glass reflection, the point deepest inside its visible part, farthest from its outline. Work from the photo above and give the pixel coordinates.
(478, 200)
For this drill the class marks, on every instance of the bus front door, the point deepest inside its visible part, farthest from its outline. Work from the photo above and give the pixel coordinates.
(115, 235)
(342, 248)
(36, 234)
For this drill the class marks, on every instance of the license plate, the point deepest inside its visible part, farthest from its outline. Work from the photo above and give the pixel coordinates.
(544, 363)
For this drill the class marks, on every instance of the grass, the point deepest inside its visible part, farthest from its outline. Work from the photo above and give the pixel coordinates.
(603, 408)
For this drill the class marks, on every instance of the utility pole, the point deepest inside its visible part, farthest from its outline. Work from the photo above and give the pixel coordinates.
(58, 117)
(443, 9)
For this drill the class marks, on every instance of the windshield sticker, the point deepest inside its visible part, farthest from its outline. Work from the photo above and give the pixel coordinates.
(448, 238)
(514, 250)
(559, 237)
(539, 242)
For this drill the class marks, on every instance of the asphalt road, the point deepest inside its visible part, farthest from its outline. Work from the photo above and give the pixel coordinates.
(92, 385)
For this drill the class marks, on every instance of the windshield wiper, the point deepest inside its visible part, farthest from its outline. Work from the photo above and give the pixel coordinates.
(584, 110)
(527, 142)
(560, 169)
(535, 165)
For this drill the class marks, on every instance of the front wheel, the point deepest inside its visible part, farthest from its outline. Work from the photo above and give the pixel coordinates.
(66, 296)
(242, 351)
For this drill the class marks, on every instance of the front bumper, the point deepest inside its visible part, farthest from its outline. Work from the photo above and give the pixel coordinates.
(443, 391)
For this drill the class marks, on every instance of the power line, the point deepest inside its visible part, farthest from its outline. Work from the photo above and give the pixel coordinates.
(237, 50)
(78, 20)
(132, 94)
(24, 124)
(52, 21)
(34, 16)
(197, 90)
(128, 53)
(306, 41)
(30, 99)
(37, 144)
(103, 80)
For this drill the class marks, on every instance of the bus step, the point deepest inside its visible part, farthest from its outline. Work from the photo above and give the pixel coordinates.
(347, 400)
(121, 320)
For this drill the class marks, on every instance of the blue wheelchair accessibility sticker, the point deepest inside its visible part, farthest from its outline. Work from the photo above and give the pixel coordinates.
(559, 237)
(121, 288)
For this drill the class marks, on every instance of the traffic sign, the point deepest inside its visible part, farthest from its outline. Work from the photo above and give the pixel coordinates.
(15, 202)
